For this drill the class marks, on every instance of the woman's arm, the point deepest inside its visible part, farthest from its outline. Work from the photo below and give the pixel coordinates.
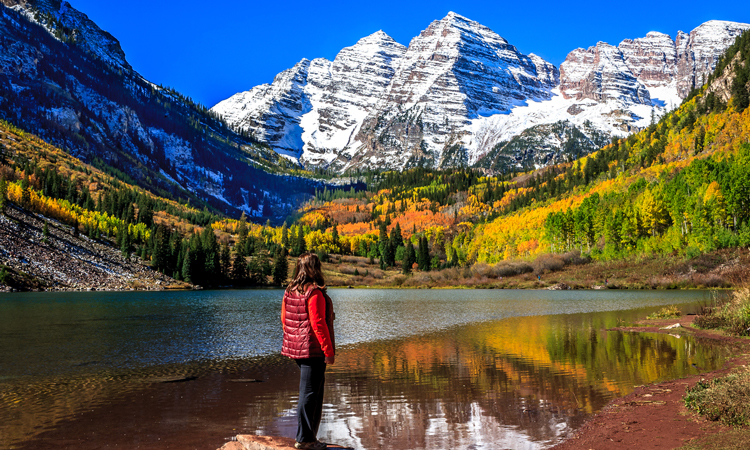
(317, 310)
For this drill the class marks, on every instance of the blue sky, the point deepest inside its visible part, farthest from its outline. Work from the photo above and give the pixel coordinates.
(211, 50)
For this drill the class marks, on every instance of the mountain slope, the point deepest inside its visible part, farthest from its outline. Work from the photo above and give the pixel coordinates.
(66, 80)
(459, 90)
(315, 108)
(454, 71)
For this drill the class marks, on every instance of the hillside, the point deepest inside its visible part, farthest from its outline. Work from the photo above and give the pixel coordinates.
(102, 233)
(678, 188)
(675, 194)
(67, 81)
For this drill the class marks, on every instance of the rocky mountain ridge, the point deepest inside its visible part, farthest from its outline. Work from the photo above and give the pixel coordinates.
(66, 80)
(459, 90)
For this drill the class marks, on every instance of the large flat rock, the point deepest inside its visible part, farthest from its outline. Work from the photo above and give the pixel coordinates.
(253, 442)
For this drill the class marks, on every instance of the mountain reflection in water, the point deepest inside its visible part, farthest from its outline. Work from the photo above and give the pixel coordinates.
(517, 382)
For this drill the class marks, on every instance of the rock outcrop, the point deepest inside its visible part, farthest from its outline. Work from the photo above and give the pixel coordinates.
(698, 52)
(651, 59)
(601, 74)
(606, 72)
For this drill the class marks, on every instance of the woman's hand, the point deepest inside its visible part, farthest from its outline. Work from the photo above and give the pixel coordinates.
(330, 360)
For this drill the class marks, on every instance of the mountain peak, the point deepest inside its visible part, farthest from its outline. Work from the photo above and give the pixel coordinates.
(656, 34)
(455, 17)
(377, 38)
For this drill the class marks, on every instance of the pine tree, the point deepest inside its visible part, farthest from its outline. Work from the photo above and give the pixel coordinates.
(423, 254)
(335, 238)
(280, 267)
(125, 243)
(239, 266)
(225, 262)
(187, 268)
(3, 194)
(255, 269)
(382, 240)
(409, 258)
(396, 236)
(301, 246)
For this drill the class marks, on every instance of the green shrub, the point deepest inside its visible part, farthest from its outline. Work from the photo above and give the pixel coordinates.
(731, 314)
(725, 399)
(667, 312)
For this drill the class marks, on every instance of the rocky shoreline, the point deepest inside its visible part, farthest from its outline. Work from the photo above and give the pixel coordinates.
(62, 261)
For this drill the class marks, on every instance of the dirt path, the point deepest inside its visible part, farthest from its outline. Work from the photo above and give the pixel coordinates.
(654, 416)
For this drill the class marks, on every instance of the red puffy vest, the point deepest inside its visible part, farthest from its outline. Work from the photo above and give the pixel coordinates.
(299, 337)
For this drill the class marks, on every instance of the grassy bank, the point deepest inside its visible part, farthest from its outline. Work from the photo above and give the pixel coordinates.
(725, 399)
(720, 269)
(731, 314)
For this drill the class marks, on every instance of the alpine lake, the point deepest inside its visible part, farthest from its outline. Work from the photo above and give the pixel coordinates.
(415, 369)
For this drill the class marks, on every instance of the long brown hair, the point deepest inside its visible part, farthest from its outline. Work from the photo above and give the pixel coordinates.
(308, 272)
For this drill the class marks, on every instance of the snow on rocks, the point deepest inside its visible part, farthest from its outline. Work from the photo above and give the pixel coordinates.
(459, 89)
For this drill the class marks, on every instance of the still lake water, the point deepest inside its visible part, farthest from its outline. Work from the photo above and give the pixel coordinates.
(415, 368)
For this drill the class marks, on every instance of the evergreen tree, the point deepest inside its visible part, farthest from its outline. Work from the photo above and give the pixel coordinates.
(335, 238)
(225, 262)
(301, 246)
(3, 194)
(266, 267)
(423, 254)
(187, 267)
(211, 254)
(280, 267)
(390, 254)
(382, 240)
(409, 258)
(255, 269)
(125, 242)
(239, 266)
(396, 237)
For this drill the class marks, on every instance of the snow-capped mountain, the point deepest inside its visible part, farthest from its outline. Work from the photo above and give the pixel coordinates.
(313, 110)
(66, 80)
(454, 71)
(460, 93)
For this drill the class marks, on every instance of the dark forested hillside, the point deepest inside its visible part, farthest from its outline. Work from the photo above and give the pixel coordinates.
(89, 102)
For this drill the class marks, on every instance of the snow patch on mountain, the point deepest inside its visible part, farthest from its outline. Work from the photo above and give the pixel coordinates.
(459, 89)
(614, 117)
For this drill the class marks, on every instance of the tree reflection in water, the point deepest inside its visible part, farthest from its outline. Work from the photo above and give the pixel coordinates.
(525, 382)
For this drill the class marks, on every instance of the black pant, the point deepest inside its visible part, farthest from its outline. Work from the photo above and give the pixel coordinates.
(310, 408)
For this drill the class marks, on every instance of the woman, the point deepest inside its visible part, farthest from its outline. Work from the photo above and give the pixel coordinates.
(307, 318)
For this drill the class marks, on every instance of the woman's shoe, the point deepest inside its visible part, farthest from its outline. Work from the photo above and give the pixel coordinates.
(313, 445)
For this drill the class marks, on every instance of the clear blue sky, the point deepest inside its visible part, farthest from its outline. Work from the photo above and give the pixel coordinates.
(211, 50)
